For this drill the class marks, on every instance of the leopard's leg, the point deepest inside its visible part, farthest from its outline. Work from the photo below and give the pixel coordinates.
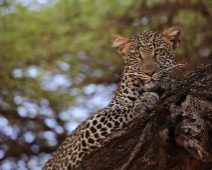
(163, 85)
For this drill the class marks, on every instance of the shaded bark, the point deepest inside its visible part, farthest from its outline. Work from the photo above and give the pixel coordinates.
(175, 136)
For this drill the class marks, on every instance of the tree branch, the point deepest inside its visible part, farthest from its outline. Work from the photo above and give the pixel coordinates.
(176, 135)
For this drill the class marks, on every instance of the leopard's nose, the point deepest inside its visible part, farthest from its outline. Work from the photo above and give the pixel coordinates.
(150, 73)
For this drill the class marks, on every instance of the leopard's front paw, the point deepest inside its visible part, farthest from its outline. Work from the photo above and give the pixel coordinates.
(146, 102)
(163, 85)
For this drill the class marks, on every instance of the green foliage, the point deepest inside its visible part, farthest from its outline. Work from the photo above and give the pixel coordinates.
(57, 64)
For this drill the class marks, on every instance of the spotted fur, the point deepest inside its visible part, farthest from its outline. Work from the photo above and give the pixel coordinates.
(148, 57)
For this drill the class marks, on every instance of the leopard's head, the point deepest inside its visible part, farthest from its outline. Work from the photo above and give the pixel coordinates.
(150, 55)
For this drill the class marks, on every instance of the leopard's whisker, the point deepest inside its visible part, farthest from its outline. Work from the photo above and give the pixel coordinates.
(180, 71)
(127, 74)
(177, 67)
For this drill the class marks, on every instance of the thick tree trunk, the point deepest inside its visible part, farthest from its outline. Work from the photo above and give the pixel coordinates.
(175, 136)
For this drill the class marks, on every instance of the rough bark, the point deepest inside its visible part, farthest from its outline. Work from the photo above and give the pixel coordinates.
(175, 136)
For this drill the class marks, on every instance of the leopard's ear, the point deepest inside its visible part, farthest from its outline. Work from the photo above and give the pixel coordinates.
(172, 36)
(119, 40)
(122, 44)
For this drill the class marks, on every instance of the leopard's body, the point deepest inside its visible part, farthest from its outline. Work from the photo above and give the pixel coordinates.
(148, 58)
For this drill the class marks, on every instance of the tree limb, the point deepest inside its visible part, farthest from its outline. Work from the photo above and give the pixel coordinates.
(176, 135)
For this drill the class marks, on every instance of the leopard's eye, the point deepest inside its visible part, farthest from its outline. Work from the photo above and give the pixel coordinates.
(158, 51)
(137, 54)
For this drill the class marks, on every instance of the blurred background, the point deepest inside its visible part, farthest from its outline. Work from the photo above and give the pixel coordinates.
(57, 66)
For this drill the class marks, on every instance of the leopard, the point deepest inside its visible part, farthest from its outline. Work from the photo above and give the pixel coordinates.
(148, 59)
